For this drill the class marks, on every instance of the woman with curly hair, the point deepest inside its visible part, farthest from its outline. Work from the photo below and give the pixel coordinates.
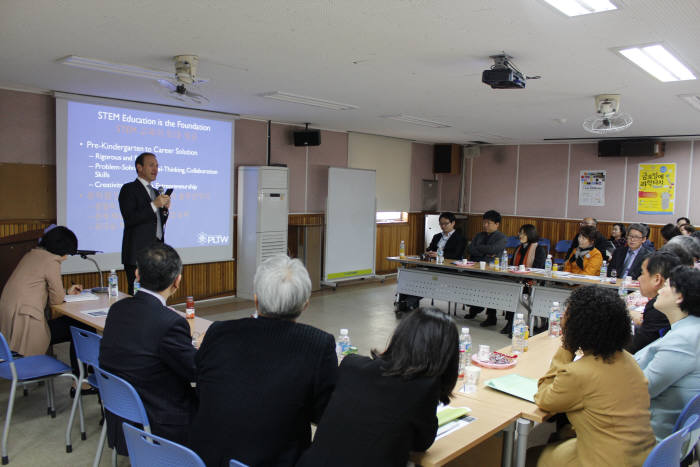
(603, 393)
(384, 406)
(672, 363)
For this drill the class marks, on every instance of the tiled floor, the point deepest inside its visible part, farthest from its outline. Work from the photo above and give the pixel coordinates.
(365, 308)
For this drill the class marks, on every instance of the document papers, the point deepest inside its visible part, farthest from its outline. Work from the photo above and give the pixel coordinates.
(98, 313)
(451, 419)
(82, 297)
(515, 385)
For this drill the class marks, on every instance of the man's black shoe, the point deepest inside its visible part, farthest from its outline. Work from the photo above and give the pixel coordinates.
(488, 322)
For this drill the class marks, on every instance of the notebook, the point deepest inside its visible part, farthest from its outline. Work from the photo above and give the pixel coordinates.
(448, 414)
(515, 385)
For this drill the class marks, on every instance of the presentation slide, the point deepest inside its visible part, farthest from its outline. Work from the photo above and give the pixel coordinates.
(99, 142)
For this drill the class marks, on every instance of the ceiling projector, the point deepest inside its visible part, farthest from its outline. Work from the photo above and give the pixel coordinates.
(503, 74)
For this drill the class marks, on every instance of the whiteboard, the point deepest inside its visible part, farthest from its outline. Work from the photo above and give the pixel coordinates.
(350, 224)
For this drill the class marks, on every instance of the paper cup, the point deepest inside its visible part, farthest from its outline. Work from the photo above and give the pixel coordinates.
(482, 264)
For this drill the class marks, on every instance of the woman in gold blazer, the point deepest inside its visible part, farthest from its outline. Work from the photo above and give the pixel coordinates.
(603, 393)
(34, 284)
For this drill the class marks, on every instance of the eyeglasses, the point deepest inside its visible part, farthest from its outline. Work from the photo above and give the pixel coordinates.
(444, 224)
(634, 237)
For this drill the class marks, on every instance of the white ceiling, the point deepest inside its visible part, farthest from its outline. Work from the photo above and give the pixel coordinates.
(417, 57)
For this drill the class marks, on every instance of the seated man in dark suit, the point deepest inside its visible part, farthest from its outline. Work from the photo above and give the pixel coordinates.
(651, 324)
(149, 345)
(627, 261)
(262, 381)
(452, 242)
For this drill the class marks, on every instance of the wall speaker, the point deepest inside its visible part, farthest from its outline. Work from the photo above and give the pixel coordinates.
(447, 158)
(630, 148)
(307, 138)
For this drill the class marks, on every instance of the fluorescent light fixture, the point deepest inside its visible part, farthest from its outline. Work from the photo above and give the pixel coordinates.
(658, 62)
(581, 7)
(692, 100)
(118, 68)
(417, 121)
(312, 101)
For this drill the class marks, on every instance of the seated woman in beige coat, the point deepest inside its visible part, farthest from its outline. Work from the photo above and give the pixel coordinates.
(603, 393)
(34, 284)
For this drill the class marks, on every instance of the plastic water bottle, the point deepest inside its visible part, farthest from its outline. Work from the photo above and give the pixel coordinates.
(622, 291)
(465, 351)
(604, 272)
(343, 344)
(113, 284)
(440, 256)
(555, 320)
(402, 250)
(504, 261)
(548, 266)
(137, 286)
(519, 334)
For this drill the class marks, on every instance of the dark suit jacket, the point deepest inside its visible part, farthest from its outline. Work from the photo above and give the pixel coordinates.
(140, 222)
(374, 420)
(617, 262)
(454, 247)
(485, 247)
(654, 325)
(261, 382)
(150, 346)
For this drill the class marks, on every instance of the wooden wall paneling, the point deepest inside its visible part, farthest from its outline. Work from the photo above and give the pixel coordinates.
(416, 233)
(37, 185)
(14, 227)
(389, 238)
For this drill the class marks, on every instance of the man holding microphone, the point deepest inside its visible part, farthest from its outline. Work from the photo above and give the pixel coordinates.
(145, 212)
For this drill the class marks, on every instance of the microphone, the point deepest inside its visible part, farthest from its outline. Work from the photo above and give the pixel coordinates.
(84, 253)
(164, 211)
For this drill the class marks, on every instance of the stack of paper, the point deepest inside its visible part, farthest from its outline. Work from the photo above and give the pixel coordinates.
(82, 297)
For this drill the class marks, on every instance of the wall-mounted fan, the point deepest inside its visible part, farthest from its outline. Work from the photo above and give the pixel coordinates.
(178, 85)
(608, 118)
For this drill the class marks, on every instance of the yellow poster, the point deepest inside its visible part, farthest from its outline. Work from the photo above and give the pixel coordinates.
(656, 193)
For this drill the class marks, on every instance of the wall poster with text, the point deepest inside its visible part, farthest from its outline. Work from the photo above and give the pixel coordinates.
(656, 188)
(591, 188)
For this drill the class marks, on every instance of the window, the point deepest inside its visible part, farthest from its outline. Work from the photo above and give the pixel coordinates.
(392, 216)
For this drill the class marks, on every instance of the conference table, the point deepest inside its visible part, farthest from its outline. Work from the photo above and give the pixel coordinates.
(458, 282)
(93, 313)
(495, 411)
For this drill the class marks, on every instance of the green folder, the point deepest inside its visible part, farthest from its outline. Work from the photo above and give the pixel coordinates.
(448, 414)
(515, 385)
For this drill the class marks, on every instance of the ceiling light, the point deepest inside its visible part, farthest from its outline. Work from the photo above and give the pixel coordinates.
(581, 7)
(658, 62)
(417, 121)
(119, 68)
(692, 100)
(312, 101)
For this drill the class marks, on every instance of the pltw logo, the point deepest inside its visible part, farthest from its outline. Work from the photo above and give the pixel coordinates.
(208, 239)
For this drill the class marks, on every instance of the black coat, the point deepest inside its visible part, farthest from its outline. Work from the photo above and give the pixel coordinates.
(150, 346)
(617, 262)
(454, 247)
(538, 261)
(374, 420)
(654, 325)
(261, 382)
(485, 246)
(140, 221)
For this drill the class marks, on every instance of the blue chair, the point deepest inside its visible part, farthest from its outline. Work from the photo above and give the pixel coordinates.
(147, 450)
(29, 369)
(562, 246)
(87, 350)
(120, 398)
(545, 243)
(512, 242)
(690, 409)
(668, 452)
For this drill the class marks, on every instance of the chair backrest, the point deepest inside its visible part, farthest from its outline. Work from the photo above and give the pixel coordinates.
(562, 246)
(668, 453)
(690, 409)
(5, 352)
(512, 242)
(147, 450)
(545, 243)
(120, 398)
(87, 346)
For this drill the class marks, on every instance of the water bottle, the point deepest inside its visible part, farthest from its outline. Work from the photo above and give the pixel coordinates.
(440, 256)
(519, 334)
(548, 266)
(622, 291)
(402, 250)
(555, 320)
(465, 351)
(113, 283)
(504, 261)
(137, 286)
(604, 272)
(343, 344)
